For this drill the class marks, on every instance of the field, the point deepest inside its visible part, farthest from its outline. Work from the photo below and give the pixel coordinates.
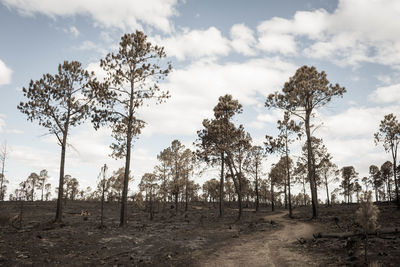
(197, 237)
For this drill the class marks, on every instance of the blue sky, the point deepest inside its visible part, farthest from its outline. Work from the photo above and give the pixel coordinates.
(245, 48)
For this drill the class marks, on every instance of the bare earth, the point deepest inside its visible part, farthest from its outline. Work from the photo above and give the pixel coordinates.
(266, 249)
(197, 237)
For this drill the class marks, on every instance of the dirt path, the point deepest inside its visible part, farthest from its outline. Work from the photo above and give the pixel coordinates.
(266, 248)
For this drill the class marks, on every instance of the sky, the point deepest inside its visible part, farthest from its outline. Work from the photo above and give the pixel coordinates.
(245, 48)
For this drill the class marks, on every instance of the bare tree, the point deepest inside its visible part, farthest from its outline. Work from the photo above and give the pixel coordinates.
(133, 74)
(389, 135)
(43, 177)
(286, 128)
(3, 180)
(305, 92)
(59, 102)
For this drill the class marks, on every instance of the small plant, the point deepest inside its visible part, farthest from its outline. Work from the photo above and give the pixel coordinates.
(367, 217)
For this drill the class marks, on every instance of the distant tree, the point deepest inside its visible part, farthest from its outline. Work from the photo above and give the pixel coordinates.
(367, 218)
(253, 166)
(229, 189)
(163, 173)
(213, 151)
(277, 176)
(133, 74)
(43, 177)
(32, 181)
(221, 134)
(47, 187)
(349, 175)
(375, 179)
(103, 185)
(150, 186)
(73, 186)
(366, 183)
(300, 175)
(59, 102)
(386, 175)
(305, 92)
(329, 172)
(286, 128)
(211, 189)
(389, 135)
(3, 180)
(116, 184)
(357, 190)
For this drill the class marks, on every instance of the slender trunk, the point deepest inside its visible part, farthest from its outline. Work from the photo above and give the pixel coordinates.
(285, 193)
(123, 215)
(61, 180)
(102, 196)
(221, 187)
(151, 204)
(310, 167)
(272, 197)
(236, 183)
(304, 191)
(257, 197)
(186, 194)
(394, 154)
(327, 190)
(42, 190)
(2, 172)
(176, 203)
(288, 176)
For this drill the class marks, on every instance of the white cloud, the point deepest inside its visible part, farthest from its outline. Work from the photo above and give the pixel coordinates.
(74, 31)
(357, 31)
(282, 43)
(195, 44)
(91, 46)
(5, 74)
(388, 94)
(195, 91)
(243, 40)
(124, 14)
(2, 123)
(348, 135)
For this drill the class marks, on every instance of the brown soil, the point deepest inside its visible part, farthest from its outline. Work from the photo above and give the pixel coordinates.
(193, 238)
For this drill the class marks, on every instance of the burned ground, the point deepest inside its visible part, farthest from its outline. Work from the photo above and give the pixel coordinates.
(196, 237)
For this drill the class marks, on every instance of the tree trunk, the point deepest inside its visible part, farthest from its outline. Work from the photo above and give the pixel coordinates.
(186, 194)
(123, 215)
(176, 203)
(61, 179)
(304, 191)
(327, 190)
(236, 183)
(2, 173)
(394, 154)
(257, 195)
(310, 167)
(272, 197)
(221, 187)
(285, 193)
(288, 177)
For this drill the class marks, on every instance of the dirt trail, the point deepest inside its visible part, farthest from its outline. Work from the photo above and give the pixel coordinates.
(266, 248)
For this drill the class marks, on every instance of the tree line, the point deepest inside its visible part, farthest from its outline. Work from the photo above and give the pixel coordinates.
(73, 95)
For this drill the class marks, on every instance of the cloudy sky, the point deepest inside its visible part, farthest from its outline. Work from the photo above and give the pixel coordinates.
(244, 48)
